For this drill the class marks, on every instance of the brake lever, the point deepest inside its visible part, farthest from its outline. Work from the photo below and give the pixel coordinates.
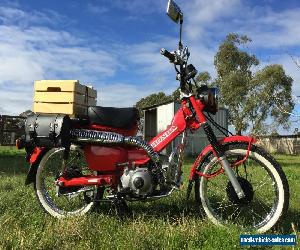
(185, 53)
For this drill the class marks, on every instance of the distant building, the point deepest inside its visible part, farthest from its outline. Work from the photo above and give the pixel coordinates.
(11, 128)
(158, 117)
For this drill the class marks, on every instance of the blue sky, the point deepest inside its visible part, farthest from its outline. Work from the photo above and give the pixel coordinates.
(114, 45)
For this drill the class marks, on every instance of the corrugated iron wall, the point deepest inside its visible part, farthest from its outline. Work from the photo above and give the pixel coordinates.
(150, 127)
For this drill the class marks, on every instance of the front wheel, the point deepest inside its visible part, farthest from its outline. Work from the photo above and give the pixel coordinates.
(262, 180)
(64, 201)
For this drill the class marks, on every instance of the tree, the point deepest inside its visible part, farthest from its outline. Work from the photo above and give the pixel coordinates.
(161, 97)
(151, 100)
(251, 97)
(202, 78)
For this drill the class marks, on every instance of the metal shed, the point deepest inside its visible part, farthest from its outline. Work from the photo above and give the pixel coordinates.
(157, 118)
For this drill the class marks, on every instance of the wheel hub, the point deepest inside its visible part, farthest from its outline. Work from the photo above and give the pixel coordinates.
(70, 172)
(246, 187)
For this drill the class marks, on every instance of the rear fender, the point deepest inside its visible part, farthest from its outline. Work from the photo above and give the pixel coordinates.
(208, 149)
(34, 160)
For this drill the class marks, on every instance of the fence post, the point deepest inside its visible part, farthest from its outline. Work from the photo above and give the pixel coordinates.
(1, 130)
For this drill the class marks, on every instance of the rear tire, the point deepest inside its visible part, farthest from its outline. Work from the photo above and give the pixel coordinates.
(262, 180)
(63, 202)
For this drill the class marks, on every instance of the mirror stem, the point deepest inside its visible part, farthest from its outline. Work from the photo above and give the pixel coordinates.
(180, 34)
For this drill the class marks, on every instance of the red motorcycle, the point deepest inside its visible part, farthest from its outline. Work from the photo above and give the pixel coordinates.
(77, 163)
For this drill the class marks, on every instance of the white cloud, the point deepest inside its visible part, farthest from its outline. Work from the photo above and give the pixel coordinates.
(39, 52)
(209, 23)
(96, 9)
(14, 100)
(147, 56)
(30, 52)
(203, 58)
(138, 6)
(2, 111)
(201, 15)
(12, 15)
(122, 95)
(270, 29)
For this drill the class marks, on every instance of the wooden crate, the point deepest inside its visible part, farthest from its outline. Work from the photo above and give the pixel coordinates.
(63, 96)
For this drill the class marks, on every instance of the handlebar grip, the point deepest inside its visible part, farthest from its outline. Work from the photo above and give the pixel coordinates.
(167, 54)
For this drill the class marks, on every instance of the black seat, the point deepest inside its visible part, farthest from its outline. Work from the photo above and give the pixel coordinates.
(124, 118)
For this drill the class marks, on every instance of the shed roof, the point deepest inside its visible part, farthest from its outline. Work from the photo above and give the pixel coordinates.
(157, 105)
(164, 103)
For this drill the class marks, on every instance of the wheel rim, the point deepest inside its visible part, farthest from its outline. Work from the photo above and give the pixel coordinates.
(260, 209)
(57, 201)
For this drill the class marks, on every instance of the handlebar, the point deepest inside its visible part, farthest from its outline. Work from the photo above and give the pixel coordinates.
(185, 72)
(167, 54)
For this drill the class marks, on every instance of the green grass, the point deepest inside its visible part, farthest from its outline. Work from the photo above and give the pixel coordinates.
(11, 151)
(170, 223)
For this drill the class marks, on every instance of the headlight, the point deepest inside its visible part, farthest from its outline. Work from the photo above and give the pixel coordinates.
(210, 99)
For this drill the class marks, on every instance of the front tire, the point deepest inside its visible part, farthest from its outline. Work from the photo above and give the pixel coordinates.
(262, 180)
(61, 201)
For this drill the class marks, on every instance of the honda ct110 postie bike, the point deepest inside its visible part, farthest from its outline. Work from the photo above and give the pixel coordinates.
(77, 163)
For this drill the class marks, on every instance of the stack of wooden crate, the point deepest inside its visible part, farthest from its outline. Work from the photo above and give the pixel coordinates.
(64, 97)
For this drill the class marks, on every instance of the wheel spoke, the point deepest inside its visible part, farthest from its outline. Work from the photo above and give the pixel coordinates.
(238, 209)
(72, 159)
(72, 200)
(221, 203)
(256, 213)
(257, 208)
(261, 183)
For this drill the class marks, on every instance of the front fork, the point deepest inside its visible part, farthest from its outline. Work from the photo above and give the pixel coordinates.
(220, 154)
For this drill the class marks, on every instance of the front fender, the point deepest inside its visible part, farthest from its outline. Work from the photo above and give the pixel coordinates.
(224, 141)
(34, 161)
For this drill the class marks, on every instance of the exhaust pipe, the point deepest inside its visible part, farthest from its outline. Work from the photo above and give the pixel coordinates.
(102, 138)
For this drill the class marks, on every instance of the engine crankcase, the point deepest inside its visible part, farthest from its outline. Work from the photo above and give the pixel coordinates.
(139, 181)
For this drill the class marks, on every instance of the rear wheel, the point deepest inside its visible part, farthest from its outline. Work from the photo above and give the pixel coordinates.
(64, 201)
(262, 180)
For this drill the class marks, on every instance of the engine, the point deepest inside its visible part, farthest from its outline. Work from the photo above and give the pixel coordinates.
(142, 182)
(139, 181)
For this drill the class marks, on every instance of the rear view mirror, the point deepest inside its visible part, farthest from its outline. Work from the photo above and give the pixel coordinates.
(174, 12)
